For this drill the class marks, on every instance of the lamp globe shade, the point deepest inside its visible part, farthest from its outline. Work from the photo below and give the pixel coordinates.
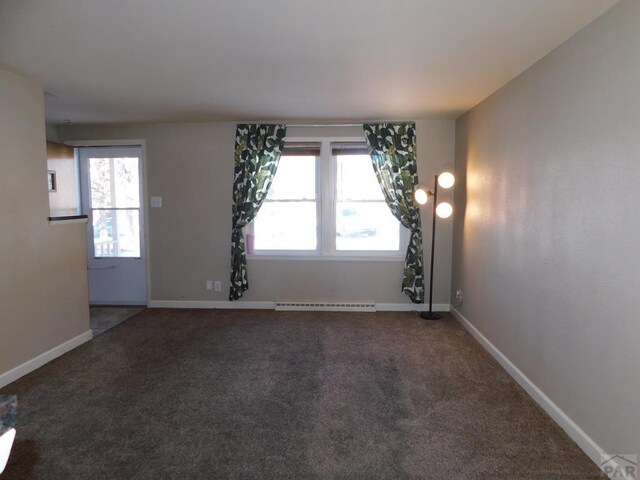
(446, 179)
(421, 195)
(444, 210)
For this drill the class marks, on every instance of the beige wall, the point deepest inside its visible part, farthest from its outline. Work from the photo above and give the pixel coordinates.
(43, 277)
(53, 132)
(191, 166)
(547, 240)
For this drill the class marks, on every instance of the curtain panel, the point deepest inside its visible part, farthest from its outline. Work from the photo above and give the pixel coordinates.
(392, 148)
(257, 154)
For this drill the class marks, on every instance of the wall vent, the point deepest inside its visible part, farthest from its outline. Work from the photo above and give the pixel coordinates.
(326, 307)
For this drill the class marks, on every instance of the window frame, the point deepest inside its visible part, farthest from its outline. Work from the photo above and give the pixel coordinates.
(326, 198)
(297, 253)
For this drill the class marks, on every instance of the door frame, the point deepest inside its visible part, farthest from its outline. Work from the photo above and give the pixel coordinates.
(143, 159)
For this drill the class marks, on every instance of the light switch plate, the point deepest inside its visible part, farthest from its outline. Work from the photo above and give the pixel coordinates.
(156, 202)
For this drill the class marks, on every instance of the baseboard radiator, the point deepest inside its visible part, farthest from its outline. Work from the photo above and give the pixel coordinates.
(326, 307)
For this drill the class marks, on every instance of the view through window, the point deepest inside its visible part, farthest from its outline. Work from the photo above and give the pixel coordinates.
(351, 217)
(363, 219)
(287, 219)
(115, 206)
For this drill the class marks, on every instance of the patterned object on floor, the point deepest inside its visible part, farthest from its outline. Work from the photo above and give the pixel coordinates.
(8, 412)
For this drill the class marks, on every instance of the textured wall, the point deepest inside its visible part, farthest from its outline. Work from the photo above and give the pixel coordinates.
(191, 166)
(43, 275)
(547, 238)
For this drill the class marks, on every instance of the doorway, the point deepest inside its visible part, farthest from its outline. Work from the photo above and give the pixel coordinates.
(111, 197)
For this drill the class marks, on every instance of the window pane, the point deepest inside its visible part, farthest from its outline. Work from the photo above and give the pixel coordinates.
(356, 179)
(285, 226)
(127, 182)
(366, 226)
(295, 179)
(100, 177)
(114, 182)
(116, 233)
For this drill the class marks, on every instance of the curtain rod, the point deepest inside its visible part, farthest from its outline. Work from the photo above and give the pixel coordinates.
(323, 124)
(339, 124)
(302, 125)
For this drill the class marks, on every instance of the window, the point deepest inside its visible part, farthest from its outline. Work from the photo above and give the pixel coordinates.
(363, 219)
(114, 186)
(288, 217)
(325, 201)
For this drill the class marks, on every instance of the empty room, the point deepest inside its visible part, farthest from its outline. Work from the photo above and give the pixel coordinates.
(338, 239)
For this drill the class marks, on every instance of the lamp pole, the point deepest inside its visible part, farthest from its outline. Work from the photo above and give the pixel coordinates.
(430, 315)
(443, 210)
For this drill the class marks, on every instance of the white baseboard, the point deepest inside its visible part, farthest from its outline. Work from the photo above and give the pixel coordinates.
(584, 441)
(411, 307)
(242, 305)
(35, 363)
(237, 305)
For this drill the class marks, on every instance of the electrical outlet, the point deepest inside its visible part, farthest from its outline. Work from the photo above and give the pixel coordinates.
(209, 285)
(218, 286)
(459, 296)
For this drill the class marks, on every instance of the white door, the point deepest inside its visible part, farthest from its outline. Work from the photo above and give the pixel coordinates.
(111, 183)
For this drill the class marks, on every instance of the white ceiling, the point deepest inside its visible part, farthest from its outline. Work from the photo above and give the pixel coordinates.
(191, 60)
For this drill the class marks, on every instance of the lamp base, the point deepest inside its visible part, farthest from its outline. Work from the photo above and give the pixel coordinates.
(430, 316)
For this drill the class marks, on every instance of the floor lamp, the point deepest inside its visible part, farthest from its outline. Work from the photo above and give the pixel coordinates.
(442, 210)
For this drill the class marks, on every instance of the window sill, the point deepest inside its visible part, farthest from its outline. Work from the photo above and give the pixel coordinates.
(64, 220)
(327, 258)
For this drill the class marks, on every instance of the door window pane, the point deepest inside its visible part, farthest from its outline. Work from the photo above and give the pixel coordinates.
(116, 233)
(115, 182)
(100, 178)
(114, 185)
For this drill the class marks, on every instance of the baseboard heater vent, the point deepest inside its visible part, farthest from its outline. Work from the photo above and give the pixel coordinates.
(326, 307)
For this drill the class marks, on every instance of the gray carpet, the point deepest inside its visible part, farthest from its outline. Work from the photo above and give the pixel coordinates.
(204, 394)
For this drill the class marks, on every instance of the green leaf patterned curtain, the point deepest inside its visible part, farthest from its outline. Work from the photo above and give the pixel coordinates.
(392, 148)
(258, 151)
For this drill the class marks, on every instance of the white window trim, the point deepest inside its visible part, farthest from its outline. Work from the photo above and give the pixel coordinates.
(325, 203)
